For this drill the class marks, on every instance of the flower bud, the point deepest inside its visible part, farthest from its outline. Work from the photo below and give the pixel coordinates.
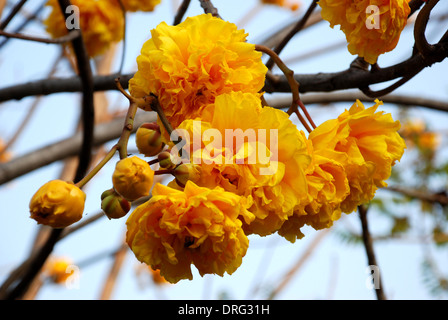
(132, 178)
(148, 139)
(166, 160)
(185, 172)
(57, 204)
(59, 269)
(114, 205)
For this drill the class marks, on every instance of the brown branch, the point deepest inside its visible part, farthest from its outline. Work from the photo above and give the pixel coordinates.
(300, 262)
(64, 39)
(320, 82)
(421, 22)
(327, 98)
(12, 14)
(208, 7)
(440, 198)
(85, 74)
(111, 279)
(367, 240)
(28, 19)
(273, 39)
(181, 12)
(65, 148)
(299, 26)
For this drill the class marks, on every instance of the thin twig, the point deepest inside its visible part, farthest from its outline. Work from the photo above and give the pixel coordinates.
(293, 84)
(65, 148)
(300, 262)
(12, 14)
(123, 10)
(85, 74)
(208, 7)
(421, 22)
(64, 39)
(28, 19)
(181, 12)
(111, 279)
(299, 26)
(367, 240)
(330, 98)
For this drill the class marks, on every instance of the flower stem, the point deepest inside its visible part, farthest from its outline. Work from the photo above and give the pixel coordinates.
(293, 84)
(128, 126)
(98, 167)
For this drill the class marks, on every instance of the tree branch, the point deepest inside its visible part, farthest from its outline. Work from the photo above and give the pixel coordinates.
(369, 249)
(66, 148)
(299, 26)
(181, 12)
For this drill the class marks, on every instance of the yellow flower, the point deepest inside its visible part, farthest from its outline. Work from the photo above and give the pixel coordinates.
(57, 204)
(368, 33)
(133, 178)
(101, 23)
(258, 154)
(198, 226)
(139, 5)
(188, 65)
(282, 3)
(415, 133)
(429, 141)
(366, 143)
(327, 188)
(59, 269)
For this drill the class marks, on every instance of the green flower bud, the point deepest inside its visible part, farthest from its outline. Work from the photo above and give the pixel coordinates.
(166, 160)
(114, 205)
(185, 172)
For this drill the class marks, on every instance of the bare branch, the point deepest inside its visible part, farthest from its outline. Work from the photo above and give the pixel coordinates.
(181, 12)
(405, 100)
(208, 7)
(299, 26)
(65, 148)
(369, 249)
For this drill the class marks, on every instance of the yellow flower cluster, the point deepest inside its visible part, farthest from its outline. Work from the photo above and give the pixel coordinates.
(371, 27)
(417, 135)
(243, 168)
(353, 155)
(101, 23)
(199, 226)
(188, 65)
(252, 171)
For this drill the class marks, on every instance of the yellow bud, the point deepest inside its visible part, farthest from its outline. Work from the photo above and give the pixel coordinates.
(57, 204)
(114, 205)
(149, 140)
(132, 178)
(166, 160)
(185, 172)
